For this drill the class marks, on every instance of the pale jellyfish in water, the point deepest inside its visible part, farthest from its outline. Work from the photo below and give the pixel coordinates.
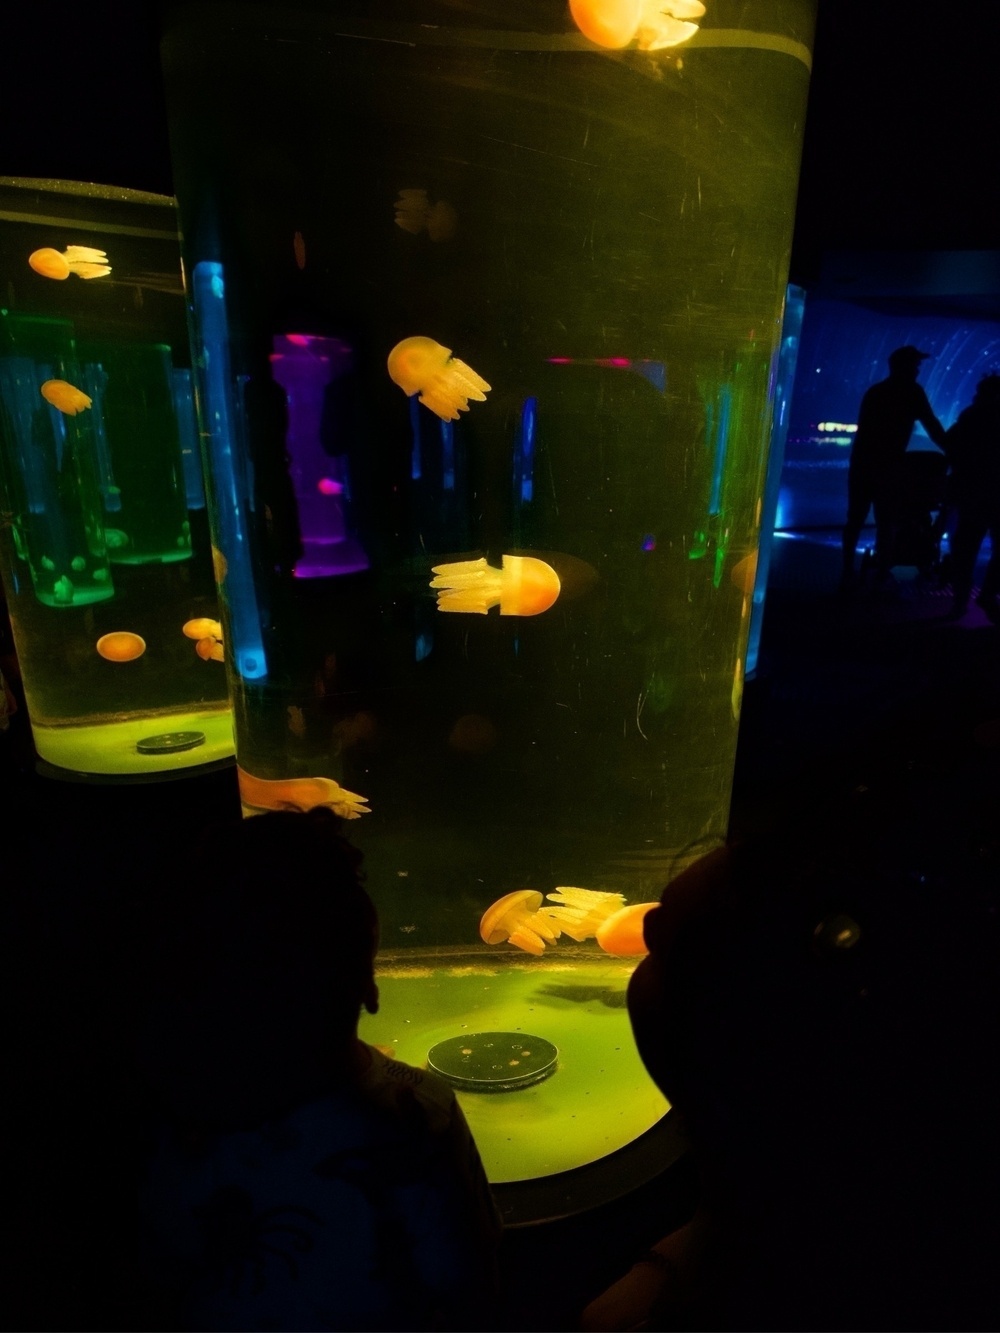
(517, 919)
(445, 384)
(524, 586)
(66, 397)
(208, 636)
(300, 794)
(415, 213)
(652, 24)
(83, 260)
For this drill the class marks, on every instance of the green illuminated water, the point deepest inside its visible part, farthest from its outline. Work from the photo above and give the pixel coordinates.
(603, 237)
(600, 1096)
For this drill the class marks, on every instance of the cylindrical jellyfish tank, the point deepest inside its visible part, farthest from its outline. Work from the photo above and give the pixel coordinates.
(104, 536)
(487, 305)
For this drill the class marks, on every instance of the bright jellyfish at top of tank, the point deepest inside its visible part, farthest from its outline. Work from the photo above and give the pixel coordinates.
(83, 260)
(652, 24)
(524, 586)
(445, 384)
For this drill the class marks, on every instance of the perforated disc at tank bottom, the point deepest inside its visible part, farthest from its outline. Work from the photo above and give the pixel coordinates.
(170, 742)
(493, 1061)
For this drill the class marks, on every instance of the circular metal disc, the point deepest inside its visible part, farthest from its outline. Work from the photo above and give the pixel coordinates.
(493, 1061)
(170, 742)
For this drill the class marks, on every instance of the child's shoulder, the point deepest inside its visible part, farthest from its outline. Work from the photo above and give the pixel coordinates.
(409, 1090)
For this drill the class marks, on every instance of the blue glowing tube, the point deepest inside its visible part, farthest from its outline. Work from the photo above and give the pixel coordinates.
(211, 340)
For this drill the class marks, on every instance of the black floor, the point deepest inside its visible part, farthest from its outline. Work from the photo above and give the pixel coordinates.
(876, 699)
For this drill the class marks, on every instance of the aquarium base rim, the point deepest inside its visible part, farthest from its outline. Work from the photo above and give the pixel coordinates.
(527, 1203)
(44, 769)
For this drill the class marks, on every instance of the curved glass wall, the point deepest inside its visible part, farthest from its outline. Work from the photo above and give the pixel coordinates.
(487, 303)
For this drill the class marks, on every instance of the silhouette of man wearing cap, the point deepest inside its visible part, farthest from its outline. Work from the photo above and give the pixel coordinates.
(889, 411)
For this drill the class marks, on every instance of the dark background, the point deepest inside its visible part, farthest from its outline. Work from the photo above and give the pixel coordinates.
(900, 146)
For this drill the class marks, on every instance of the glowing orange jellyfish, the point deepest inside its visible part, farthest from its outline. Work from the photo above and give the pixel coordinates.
(609, 23)
(121, 646)
(652, 24)
(521, 919)
(65, 396)
(202, 628)
(300, 794)
(621, 933)
(445, 384)
(517, 919)
(524, 586)
(82, 260)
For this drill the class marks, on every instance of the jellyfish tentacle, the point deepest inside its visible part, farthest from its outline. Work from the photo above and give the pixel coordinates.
(300, 794)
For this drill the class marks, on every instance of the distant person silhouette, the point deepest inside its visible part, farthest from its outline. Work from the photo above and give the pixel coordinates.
(294, 1176)
(973, 448)
(889, 411)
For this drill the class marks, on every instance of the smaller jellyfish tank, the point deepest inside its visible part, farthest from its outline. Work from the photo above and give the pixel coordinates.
(487, 305)
(104, 545)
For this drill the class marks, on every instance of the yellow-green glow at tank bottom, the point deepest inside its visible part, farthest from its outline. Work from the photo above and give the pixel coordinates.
(600, 1096)
(109, 748)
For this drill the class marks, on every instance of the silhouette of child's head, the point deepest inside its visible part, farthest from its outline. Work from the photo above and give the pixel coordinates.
(265, 960)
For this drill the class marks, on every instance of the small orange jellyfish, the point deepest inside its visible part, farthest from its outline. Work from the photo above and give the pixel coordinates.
(300, 794)
(121, 646)
(744, 573)
(609, 23)
(621, 933)
(220, 566)
(524, 586)
(299, 250)
(210, 650)
(445, 384)
(83, 260)
(516, 918)
(65, 396)
(202, 628)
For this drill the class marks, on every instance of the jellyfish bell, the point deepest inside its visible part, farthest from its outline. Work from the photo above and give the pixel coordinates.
(121, 646)
(49, 263)
(210, 650)
(621, 933)
(523, 586)
(520, 919)
(607, 23)
(65, 397)
(507, 913)
(202, 628)
(445, 384)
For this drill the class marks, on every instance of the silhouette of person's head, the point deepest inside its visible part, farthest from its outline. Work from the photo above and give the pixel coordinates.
(265, 960)
(988, 391)
(904, 362)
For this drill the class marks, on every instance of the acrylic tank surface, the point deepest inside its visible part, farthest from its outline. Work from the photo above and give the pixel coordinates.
(104, 545)
(487, 309)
